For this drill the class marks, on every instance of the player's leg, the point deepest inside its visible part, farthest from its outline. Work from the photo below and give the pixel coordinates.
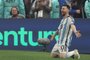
(70, 54)
(55, 52)
(63, 51)
(73, 53)
(62, 55)
(65, 54)
(76, 55)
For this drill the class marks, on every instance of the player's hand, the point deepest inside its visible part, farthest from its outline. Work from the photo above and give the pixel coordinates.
(78, 34)
(52, 37)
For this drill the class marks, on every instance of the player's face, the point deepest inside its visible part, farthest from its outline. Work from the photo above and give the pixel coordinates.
(64, 10)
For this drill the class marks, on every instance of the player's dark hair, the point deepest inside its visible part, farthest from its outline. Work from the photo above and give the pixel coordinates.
(67, 6)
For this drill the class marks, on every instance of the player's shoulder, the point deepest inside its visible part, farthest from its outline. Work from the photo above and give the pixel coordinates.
(70, 18)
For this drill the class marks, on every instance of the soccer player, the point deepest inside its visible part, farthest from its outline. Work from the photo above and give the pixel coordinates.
(65, 30)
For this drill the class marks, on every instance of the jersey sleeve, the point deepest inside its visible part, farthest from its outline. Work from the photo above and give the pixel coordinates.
(71, 21)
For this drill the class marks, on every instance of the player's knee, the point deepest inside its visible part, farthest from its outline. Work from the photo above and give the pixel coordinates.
(62, 55)
(55, 55)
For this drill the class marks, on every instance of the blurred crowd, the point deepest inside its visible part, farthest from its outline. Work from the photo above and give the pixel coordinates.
(43, 8)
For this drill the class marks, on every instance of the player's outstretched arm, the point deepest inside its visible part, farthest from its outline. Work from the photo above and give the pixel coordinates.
(77, 33)
(53, 36)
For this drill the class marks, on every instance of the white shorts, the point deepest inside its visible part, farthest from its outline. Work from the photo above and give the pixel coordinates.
(59, 49)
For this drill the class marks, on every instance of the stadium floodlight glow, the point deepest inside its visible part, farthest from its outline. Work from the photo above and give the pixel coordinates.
(20, 36)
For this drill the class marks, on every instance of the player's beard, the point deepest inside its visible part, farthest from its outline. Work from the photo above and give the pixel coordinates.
(63, 14)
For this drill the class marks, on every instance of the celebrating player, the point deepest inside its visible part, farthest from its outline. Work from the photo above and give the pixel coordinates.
(65, 30)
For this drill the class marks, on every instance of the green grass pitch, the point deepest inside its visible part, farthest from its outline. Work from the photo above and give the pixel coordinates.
(29, 55)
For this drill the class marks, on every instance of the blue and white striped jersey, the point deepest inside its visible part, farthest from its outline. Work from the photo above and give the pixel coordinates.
(65, 31)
